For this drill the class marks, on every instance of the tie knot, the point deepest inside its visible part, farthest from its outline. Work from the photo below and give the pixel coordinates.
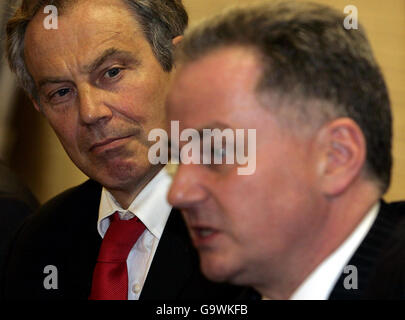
(120, 237)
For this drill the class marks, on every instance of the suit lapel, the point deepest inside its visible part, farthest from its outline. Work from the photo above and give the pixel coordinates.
(86, 242)
(173, 263)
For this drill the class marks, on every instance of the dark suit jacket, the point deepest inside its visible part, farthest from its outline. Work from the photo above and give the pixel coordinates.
(380, 259)
(16, 202)
(64, 234)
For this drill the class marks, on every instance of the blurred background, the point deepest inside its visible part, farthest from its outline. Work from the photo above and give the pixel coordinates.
(31, 149)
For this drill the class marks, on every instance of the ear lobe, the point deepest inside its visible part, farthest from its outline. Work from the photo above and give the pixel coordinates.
(36, 104)
(176, 40)
(344, 155)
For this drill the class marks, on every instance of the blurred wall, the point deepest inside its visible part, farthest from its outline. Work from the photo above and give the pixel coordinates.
(40, 160)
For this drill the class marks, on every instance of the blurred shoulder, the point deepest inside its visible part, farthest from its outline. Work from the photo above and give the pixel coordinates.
(67, 210)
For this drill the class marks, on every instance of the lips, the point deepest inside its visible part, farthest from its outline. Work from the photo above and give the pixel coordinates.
(203, 236)
(203, 232)
(202, 228)
(108, 143)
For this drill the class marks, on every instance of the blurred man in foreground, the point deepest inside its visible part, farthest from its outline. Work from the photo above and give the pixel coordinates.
(310, 222)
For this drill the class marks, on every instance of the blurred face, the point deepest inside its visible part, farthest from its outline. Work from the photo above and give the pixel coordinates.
(101, 89)
(243, 226)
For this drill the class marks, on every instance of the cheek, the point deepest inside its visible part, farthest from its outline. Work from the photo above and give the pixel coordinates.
(144, 101)
(244, 203)
(65, 129)
(257, 204)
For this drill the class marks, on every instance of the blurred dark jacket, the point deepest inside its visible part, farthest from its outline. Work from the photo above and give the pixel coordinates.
(16, 203)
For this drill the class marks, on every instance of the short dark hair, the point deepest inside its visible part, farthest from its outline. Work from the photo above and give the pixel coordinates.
(161, 21)
(308, 55)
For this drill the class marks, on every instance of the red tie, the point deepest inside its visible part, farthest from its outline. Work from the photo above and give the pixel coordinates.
(110, 277)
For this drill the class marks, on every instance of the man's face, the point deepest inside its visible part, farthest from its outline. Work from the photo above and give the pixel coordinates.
(100, 87)
(242, 224)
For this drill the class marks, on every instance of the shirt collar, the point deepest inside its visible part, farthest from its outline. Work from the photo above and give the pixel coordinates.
(319, 284)
(150, 206)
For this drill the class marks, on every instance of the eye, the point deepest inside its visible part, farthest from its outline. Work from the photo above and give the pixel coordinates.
(112, 73)
(60, 95)
(62, 92)
(218, 153)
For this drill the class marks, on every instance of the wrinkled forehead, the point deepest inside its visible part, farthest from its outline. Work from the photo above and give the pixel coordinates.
(34, 6)
(86, 18)
(32, 9)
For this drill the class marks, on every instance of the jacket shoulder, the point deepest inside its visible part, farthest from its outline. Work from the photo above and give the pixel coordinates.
(380, 258)
(389, 281)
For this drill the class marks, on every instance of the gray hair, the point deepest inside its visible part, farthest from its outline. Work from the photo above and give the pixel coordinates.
(307, 55)
(161, 21)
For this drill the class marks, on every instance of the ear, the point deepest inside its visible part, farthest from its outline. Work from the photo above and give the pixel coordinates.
(343, 154)
(177, 40)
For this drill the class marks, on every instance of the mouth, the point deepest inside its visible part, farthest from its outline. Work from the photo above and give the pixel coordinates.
(203, 236)
(108, 144)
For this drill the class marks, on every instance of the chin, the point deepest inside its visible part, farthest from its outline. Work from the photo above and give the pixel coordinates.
(121, 174)
(218, 270)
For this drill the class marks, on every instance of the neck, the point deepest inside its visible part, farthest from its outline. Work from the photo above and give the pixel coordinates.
(126, 196)
(343, 215)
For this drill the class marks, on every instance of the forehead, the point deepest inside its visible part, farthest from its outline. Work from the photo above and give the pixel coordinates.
(106, 15)
(83, 30)
(220, 84)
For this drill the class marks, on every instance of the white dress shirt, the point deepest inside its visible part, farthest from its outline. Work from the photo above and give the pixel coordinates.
(320, 283)
(152, 208)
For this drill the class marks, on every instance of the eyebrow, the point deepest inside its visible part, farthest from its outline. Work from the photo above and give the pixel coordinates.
(44, 82)
(108, 53)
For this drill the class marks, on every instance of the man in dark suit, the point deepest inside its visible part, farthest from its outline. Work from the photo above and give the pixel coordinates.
(308, 222)
(16, 202)
(99, 72)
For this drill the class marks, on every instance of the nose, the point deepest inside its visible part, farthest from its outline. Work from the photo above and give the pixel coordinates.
(187, 188)
(92, 106)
